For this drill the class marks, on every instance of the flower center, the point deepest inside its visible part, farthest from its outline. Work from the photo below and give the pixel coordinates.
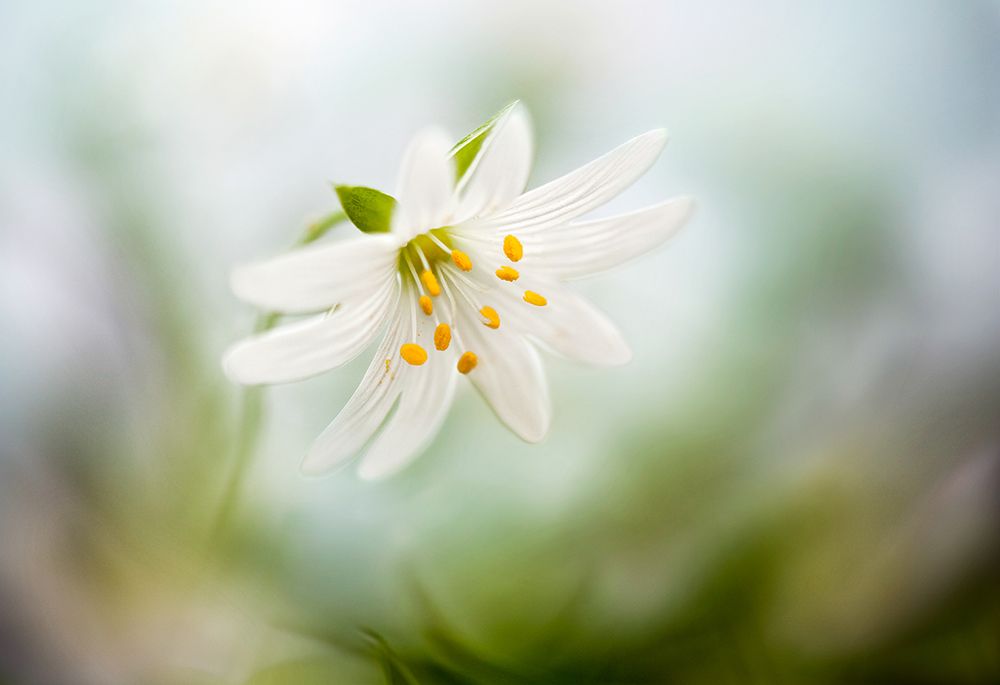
(431, 265)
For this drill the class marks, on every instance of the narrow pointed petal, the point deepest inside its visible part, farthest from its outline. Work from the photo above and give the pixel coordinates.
(501, 171)
(306, 348)
(368, 407)
(576, 250)
(425, 185)
(317, 277)
(568, 324)
(423, 406)
(580, 191)
(510, 377)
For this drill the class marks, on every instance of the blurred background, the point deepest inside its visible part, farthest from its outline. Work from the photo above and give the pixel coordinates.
(797, 478)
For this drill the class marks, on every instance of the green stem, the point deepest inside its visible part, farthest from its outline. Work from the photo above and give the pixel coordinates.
(252, 403)
(318, 228)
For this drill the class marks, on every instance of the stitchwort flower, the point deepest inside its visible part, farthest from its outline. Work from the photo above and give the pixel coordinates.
(462, 273)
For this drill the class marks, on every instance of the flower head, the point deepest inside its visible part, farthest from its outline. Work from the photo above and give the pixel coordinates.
(456, 272)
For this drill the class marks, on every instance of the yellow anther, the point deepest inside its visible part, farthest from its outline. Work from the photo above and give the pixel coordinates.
(413, 354)
(531, 297)
(512, 248)
(491, 316)
(467, 362)
(442, 336)
(431, 283)
(506, 273)
(426, 305)
(461, 260)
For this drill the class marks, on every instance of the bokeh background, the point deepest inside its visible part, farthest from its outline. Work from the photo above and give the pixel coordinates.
(797, 479)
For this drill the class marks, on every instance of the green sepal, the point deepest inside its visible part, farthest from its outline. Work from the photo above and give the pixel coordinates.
(468, 148)
(368, 209)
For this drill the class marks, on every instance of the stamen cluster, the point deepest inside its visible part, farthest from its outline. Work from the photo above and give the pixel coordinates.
(432, 251)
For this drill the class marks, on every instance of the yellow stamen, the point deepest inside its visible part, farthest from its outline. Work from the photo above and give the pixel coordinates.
(512, 248)
(431, 283)
(426, 305)
(506, 273)
(467, 362)
(531, 297)
(413, 354)
(491, 316)
(461, 260)
(442, 336)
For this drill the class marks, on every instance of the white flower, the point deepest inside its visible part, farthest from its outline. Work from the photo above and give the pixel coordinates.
(469, 271)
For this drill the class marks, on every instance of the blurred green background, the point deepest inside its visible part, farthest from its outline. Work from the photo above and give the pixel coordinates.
(797, 478)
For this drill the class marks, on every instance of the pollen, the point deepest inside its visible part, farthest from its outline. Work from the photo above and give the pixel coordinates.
(531, 297)
(461, 260)
(426, 305)
(413, 354)
(431, 283)
(442, 336)
(467, 362)
(507, 273)
(491, 316)
(512, 248)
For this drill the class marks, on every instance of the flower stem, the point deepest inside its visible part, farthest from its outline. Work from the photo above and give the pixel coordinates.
(252, 404)
(318, 228)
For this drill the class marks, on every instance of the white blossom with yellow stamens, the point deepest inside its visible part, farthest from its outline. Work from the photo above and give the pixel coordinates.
(467, 268)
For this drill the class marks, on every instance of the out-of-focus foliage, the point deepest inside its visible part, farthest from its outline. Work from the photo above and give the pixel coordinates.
(795, 480)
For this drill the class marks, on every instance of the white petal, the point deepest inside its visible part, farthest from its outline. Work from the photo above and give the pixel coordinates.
(317, 277)
(509, 376)
(568, 324)
(580, 191)
(425, 185)
(306, 348)
(575, 250)
(501, 170)
(368, 407)
(426, 397)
